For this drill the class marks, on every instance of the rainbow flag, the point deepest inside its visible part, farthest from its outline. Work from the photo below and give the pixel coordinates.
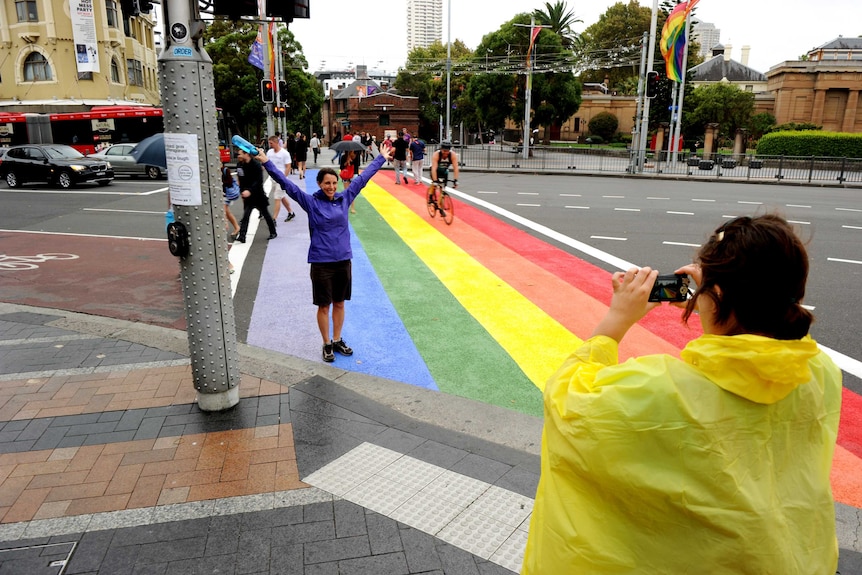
(673, 40)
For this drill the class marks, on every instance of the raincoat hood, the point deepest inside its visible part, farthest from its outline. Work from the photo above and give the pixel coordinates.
(760, 369)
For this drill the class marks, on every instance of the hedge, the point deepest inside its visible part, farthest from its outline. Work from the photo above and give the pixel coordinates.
(811, 143)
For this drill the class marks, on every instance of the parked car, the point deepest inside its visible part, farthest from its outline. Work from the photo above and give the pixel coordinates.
(124, 164)
(52, 163)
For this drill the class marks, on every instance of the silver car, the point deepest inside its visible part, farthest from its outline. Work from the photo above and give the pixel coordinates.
(124, 164)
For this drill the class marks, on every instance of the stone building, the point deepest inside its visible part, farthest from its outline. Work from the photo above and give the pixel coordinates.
(52, 60)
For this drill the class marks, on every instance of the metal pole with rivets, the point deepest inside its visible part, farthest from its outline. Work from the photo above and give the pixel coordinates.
(194, 178)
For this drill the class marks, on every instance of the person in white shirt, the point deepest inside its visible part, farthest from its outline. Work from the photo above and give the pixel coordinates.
(281, 158)
(314, 144)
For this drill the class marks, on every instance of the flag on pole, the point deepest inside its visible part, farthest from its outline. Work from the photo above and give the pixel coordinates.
(533, 33)
(673, 40)
(271, 47)
(255, 57)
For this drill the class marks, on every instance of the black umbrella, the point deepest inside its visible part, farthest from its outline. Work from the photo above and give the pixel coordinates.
(346, 146)
(151, 151)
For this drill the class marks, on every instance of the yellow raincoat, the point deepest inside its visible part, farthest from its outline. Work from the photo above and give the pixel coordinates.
(716, 463)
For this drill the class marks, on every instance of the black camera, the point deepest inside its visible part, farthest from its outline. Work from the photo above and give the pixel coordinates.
(673, 287)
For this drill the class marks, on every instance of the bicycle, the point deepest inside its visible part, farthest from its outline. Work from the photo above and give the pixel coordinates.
(439, 200)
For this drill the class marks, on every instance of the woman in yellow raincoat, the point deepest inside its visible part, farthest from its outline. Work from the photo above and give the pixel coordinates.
(717, 462)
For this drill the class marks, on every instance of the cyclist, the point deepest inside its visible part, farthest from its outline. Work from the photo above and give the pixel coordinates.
(440, 162)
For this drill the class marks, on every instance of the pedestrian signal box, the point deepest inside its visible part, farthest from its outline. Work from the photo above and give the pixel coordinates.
(652, 82)
(266, 92)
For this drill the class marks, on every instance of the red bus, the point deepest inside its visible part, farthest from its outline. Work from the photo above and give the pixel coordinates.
(98, 128)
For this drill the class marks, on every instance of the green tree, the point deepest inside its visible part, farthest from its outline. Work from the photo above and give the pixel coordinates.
(721, 103)
(237, 82)
(560, 19)
(424, 76)
(555, 95)
(604, 124)
(761, 124)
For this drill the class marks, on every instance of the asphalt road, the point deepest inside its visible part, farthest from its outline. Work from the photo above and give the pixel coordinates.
(609, 221)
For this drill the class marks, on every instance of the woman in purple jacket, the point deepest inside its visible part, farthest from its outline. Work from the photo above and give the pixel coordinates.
(329, 253)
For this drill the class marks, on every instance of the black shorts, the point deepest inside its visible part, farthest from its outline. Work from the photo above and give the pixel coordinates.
(331, 282)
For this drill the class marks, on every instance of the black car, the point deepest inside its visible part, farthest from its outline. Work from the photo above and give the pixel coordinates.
(52, 163)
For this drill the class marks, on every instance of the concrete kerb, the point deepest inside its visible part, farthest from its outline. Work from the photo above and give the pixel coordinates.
(490, 423)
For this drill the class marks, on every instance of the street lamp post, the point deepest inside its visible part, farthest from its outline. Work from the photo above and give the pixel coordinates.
(449, 73)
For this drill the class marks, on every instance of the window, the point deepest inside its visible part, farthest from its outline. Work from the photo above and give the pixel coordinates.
(36, 68)
(384, 120)
(85, 75)
(26, 10)
(135, 72)
(115, 71)
(111, 10)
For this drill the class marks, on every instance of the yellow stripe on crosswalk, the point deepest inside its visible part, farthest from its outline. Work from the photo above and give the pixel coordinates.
(533, 339)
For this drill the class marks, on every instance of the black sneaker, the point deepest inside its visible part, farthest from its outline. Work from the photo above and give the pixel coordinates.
(290, 216)
(342, 347)
(328, 356)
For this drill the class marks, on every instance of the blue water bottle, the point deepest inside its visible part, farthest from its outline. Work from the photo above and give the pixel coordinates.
(244, 145)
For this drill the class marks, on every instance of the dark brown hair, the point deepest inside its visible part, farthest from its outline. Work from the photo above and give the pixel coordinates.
(755, 270)
(323, 171)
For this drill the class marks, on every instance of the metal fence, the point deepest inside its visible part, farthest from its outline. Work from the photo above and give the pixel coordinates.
(813, 170)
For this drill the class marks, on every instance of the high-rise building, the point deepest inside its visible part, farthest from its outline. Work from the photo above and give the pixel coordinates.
(707, 35)
(424, 23)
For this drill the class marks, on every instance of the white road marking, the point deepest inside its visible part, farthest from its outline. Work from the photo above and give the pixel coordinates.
(608, 238)
(848, 210)
(797, 206)
(627, 209)
(681, 213)
(656, 198)
(701, 200)
(120, 211)
(486, 192)
(85, 235)
(614, 197)
(752, 203)
(681, 244)
(570, 195)
(844, 261)
(528, 193)
(577, 207)
(529, 205)
(852, 227)
(85, 192)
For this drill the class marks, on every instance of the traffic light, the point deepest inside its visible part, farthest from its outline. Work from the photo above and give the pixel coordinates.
(233, 9)
(144, 6)
(266, 93)
(129, 8)
(287, 10)
(652, 81)
(282, 90)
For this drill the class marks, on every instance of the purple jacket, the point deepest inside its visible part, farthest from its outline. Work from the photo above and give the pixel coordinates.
(328, 223)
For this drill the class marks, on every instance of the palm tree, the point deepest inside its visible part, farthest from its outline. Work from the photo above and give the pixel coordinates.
(560, 19)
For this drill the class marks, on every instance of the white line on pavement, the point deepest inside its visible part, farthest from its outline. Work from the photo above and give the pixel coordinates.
(681, 244)
(608, 238)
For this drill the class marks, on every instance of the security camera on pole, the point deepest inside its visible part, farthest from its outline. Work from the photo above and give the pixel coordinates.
(194, 179)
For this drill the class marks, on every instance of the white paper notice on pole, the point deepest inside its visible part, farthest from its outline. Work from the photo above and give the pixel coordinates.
(184, 175)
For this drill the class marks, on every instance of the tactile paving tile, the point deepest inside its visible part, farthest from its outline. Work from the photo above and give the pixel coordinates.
(503, 505)
(427, 512)
(343, 474)
(456, 488)
(476, 533)
(380, 494)
(411, 472)
(511, 553)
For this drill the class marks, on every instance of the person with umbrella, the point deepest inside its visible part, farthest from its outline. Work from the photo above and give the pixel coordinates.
(250, 175)
(329, 252)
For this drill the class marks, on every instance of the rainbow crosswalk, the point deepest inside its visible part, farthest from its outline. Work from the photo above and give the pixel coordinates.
(479, 309)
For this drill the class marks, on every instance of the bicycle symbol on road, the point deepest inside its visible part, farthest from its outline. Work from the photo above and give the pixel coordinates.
(16, 263)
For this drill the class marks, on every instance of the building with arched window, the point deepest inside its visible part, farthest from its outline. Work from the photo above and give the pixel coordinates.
(62, 55)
